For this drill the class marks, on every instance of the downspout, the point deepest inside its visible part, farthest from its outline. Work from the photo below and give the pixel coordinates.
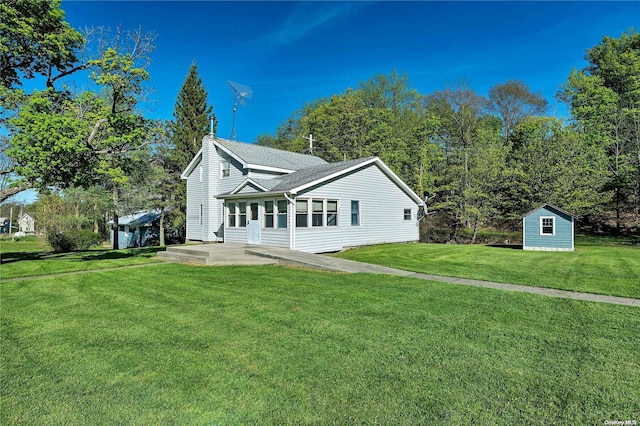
(292, 228)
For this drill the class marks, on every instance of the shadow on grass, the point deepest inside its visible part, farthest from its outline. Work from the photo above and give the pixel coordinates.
(507, 246)
(85, 255)
(29, 255)
(121, 254)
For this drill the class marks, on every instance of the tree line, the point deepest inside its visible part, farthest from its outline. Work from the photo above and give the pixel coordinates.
(489, 160)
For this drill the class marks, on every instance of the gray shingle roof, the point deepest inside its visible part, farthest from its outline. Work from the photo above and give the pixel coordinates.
(270, 157)
(310, 174)
(552, 207)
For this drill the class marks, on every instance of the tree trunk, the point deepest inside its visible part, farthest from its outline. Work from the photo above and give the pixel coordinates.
(116, 244)
(162, 227)
(475, 231)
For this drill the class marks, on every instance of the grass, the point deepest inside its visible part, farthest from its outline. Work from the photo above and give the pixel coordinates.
(30, 258)
(22, 244)
(271, 345)
(602, 266)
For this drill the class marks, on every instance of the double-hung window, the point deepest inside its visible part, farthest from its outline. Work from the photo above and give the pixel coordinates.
(225, 168)
(547, 226)
(332, 213)
(243, 214)
(317, 215)
(231, 222)
(302, 213)
(282, 213)
(355, 213)
(268, 214)
(407, 214)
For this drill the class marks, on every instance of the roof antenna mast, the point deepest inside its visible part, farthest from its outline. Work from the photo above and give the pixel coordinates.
(240, 94)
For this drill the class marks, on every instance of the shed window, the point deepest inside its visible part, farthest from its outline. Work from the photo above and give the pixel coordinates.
(317, 217)
(243, 215)
(302, 210)
(547, 226)
(282, 213)
(268, 214)
(332, 213)
(231, 223)
(407, 214)
(355, 213)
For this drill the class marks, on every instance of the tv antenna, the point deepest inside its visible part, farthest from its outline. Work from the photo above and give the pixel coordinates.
(240, 94)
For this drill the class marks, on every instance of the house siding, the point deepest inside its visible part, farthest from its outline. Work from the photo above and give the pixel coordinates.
(381, 217)
(275, 237)
(562, 240)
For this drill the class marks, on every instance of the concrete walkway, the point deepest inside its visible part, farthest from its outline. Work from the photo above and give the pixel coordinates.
(327, 263)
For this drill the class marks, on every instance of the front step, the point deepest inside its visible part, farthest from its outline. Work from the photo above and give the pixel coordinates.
(214, 255)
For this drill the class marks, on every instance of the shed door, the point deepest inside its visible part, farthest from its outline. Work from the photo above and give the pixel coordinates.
(253, 225)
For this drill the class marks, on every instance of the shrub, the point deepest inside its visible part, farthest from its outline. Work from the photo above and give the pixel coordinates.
(74, 239)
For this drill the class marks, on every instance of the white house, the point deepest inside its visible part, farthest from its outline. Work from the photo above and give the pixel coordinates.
(244, 193)
(26, 223)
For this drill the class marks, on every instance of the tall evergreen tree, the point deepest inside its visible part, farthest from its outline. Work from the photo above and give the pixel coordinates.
(604, 99)
(191, 115)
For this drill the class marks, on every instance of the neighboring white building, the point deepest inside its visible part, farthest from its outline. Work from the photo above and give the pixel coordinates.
(27, 223)
(244, 193)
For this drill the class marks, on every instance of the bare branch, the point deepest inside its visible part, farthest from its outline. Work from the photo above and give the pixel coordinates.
(13, 190)
(94, 132)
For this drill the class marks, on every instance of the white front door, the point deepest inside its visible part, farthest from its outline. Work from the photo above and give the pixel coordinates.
(253, 224)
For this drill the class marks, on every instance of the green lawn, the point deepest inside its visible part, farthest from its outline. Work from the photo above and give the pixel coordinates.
(603, 266)
(29, 258)
(272, 345)
(22, 244)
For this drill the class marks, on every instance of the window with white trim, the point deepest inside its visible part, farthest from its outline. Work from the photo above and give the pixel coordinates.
(231, 222)
(302, 213)
(317, 214)
(407, 214)
(268, 214)
(225, 168)
(243, 215)
(332, 213)
(282, 213)
(355, 213)
(547, 226)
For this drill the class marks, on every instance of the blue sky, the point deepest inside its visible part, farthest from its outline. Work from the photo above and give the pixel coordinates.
(291, 53)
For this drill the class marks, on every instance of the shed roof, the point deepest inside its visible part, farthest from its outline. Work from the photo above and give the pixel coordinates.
(141, 218)
(552, 207)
